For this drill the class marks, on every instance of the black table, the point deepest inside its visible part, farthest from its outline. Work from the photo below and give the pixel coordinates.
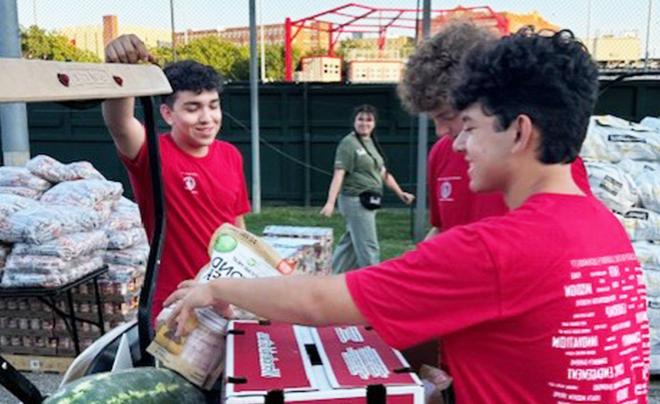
(48, 297)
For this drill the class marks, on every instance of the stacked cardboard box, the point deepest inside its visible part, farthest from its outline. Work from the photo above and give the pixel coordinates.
(28, 326)
(322, 236)
(300, 253)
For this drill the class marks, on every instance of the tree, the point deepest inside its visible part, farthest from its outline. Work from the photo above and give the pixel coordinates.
(36, 43)
(274, 55)
(228, 59)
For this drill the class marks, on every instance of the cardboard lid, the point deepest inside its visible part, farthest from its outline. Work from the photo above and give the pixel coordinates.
(261, 358)
(356, 357)
(24, 80)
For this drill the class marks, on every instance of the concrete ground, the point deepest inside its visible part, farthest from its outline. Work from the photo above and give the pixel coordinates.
(48, 383)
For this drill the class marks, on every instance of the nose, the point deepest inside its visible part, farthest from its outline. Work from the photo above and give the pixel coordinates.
(206, 114)
(459, 143)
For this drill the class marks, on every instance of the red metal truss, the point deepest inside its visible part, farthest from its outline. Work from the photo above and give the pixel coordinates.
(353, 17)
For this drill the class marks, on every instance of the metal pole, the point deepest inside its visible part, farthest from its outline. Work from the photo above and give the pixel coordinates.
(307, 146)
(263, 42)
(34, 12)
(648, 35)
(13, 116)
(174, 55)
(588, 21)
(288, 52)
(422, 146)
(254, 108)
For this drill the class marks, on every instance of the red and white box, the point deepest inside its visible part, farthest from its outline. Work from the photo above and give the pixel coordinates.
(283, 363)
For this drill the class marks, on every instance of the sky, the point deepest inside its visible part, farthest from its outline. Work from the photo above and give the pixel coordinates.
(601, 16)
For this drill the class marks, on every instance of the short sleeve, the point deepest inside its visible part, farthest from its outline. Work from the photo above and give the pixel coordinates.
(344, 157)
(242, 205)
(447, 284)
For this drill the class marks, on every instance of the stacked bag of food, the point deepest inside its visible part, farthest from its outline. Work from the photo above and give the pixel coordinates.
(73, 222)
(57, 236)
(126, 259)
(623, 163)
(20, 181)
(292, 242)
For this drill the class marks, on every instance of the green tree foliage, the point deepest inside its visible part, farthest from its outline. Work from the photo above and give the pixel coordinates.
(230, 60)
(36, 43)
(275, 61)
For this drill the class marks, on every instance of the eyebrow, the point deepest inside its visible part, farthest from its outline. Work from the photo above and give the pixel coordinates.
(197, 103)
(466, 118)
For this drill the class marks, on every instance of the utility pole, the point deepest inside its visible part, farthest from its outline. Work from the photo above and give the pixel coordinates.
(13, 116)
(648, 34)
(588, 20)
(263, 42)
(422, 146)
(174, 55)
(34, 12)
(254, 112)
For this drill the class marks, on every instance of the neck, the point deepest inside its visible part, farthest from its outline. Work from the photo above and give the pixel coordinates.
(539, 178)
(193, 151)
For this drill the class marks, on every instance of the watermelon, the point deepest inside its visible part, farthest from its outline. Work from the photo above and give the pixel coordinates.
(139, 385)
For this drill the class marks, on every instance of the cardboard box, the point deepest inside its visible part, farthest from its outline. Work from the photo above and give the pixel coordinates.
(268, 363)
(323, 235)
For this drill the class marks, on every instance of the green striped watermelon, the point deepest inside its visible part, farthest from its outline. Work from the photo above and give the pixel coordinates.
(139, 385)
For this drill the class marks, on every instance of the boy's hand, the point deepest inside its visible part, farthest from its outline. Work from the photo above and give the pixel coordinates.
(127, 49)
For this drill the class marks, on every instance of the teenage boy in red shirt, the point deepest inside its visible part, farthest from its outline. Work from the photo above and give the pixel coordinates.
(203, 181)
(430, 73)
(543, 304)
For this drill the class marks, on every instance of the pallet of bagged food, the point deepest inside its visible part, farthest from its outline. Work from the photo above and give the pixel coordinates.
(58, 223)
(623, 163)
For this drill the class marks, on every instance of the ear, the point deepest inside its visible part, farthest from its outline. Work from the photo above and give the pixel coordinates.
(166, 113)
(525, 136)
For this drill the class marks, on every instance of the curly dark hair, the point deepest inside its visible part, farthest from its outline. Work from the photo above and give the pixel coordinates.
(432, 68)
(551, 79)
(188, 75)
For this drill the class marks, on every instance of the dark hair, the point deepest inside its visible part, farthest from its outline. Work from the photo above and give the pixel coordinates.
(432, 68)
(189, 75)
(551, 79)
(371, 110)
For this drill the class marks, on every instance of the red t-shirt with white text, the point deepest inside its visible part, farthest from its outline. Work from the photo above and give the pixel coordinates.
(543, 304)
(451, 203)
(201, 193)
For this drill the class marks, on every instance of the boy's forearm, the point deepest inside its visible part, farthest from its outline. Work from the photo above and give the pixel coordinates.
(297, 299)
(118, 112)
(126, 131)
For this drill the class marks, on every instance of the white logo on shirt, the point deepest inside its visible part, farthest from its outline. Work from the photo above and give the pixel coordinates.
(445, 190)
(360, 152)
(189, 182)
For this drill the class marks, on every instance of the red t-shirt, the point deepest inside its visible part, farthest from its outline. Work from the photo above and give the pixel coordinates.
(451, 203)
(201, 193)
(543, 304)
